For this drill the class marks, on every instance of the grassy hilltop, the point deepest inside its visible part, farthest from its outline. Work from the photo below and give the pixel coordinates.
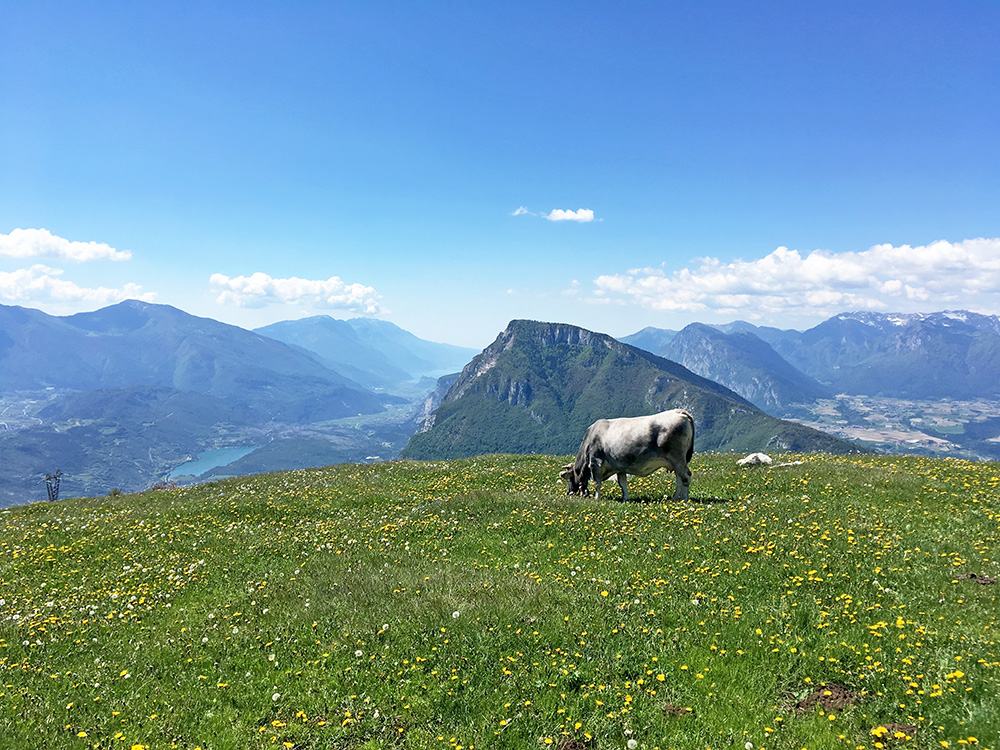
(837, 603)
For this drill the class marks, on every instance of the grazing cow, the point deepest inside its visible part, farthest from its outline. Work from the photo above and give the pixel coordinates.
(633, 445)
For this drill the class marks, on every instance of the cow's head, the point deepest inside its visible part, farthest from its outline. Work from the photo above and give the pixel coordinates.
(576, 481)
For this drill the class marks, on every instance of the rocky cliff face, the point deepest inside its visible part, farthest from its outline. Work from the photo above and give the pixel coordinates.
(529, 335)
(425, 415)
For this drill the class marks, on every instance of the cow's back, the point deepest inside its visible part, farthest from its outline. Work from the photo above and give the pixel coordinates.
(632, 442)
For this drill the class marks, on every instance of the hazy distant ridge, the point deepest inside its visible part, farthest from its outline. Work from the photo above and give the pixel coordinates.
(136, 388)
(375, 353)
(952, 354)
(140, 344)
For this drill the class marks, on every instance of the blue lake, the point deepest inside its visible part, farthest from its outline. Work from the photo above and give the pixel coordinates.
(209, 460)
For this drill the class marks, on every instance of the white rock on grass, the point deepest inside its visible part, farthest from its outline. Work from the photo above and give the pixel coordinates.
(756, 459)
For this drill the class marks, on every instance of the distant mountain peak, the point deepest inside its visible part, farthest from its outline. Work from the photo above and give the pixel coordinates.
(532, 334)
(139, 304)
(548, 334)
(889, 321)
(877, 320)
(745, 363)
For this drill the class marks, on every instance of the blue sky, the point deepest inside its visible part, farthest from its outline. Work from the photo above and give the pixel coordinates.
(451, 166)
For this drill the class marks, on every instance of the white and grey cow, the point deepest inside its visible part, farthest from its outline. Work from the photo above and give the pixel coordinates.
(633, 445)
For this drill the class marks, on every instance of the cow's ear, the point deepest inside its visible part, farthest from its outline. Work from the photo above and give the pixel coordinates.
(569, 465)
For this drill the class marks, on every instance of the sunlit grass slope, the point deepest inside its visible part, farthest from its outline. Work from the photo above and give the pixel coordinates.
(471, 604)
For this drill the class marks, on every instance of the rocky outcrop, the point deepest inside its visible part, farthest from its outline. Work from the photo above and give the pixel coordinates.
(425, 414)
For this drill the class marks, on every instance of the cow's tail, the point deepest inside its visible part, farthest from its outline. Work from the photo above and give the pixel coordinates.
(690, 450)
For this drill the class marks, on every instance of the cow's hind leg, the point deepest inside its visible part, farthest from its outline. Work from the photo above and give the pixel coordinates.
(683, 482)
(623, 483)
(682, 476)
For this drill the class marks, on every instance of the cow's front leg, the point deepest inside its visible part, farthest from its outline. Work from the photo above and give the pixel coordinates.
(623, 483)
(597, 476)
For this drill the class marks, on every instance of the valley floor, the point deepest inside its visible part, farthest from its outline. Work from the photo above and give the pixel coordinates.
(964, 429)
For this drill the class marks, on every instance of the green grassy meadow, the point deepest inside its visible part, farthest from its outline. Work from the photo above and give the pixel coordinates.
(471, 604)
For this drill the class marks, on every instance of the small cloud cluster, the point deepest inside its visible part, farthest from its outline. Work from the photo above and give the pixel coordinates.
(260, 290)
(41, 243)
(41, 284)
(581, 215)
(819, 282)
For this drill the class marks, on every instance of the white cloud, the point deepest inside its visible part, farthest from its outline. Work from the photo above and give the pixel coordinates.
(582, 215)
(260, 290)
(41, 243)
(820, 282)
(41, 284)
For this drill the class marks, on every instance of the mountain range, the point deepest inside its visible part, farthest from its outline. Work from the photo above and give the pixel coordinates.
(940, 355)
(119, 397)
(539, 385)
(124, 396)
(920, 356)
(139, 344)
